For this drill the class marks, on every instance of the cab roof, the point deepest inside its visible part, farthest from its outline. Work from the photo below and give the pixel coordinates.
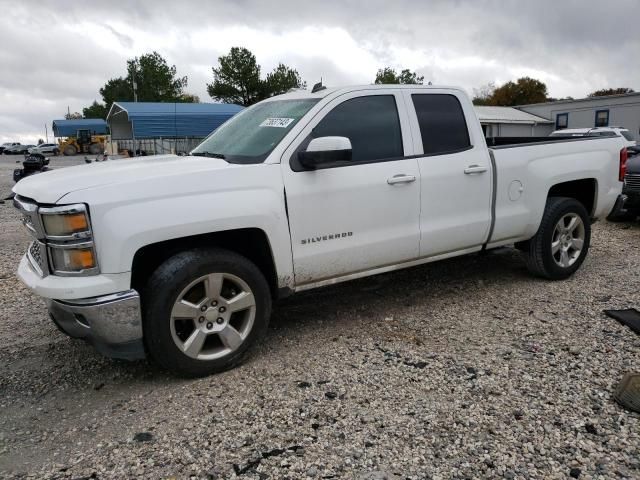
(298, 94)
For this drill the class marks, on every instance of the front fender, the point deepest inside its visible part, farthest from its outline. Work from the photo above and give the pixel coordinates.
(254, 199)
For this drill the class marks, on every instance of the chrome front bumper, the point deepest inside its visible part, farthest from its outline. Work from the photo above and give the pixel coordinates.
(111, 323)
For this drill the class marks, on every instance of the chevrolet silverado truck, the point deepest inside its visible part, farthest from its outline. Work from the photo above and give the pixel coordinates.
(179, 258)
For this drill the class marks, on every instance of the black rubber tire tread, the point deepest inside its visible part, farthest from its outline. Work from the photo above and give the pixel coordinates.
(95, 148)
(166, 283)
(70, 150)
(537, 250)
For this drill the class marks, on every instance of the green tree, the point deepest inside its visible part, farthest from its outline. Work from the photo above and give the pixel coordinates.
(95, 110)
(155, 81)
(72, 116)
(610, 91)
(388, 75)
(521, 92)
(116, 89)
(188, 98)
(237, 79)
(281, 80)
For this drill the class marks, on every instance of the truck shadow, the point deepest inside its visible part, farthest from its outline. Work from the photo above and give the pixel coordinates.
(401, 288)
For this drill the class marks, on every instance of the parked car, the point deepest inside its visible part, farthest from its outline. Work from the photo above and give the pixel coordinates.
(296, 192)
(629, 208)
(46, 149)
(629, 141)
(17, 149)
(4, 146)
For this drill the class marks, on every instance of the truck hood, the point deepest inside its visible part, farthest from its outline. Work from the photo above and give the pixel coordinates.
(51, 186)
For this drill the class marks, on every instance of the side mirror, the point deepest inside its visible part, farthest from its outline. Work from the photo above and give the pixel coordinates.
(325, 150)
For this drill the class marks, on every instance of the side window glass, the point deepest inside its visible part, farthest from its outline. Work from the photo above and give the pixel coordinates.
(371, 123)
(443, 127)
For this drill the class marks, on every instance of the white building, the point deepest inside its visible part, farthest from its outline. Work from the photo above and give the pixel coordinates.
(511, 122)
(613, 110)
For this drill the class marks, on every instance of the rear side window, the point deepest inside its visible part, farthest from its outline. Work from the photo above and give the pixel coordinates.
(627, 134)
(442, 124)
(371, 123)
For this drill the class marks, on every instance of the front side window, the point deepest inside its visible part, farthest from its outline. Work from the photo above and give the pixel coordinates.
(602, 118)
(251, 135)
(372, 125)
(443, 127)
(562, 121)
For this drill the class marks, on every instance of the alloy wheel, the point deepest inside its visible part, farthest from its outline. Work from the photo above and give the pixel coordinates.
(213, 316)
(567, 240)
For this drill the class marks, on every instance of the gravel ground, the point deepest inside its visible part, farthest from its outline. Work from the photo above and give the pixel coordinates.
(467, 368)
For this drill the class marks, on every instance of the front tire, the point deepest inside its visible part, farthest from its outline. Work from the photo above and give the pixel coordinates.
(70, 150)
(561, 244)
(95, 148)
(203, 309)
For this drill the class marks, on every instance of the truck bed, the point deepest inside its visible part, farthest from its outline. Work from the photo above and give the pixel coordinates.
(512, 142)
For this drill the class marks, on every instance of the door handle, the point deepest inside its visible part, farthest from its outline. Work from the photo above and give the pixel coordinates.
(401, 178)
(471, 169)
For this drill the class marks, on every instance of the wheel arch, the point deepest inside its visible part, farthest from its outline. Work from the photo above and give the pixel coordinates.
(584, 190)
(252, 243)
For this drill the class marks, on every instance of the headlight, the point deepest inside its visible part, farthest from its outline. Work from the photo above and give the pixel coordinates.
(72, 258)
(69, 222)
(70, 246)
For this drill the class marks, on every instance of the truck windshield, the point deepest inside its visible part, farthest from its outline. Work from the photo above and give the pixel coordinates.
(252, 134)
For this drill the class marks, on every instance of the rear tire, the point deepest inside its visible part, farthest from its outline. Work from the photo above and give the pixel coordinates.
(193, 322)
(561, 244)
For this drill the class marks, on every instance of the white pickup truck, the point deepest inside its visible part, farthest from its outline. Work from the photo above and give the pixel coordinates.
(180, 257)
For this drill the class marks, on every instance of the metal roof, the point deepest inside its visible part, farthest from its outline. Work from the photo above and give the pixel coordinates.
(507, 115)
(586, 99)
(68, 128)
(166, 120)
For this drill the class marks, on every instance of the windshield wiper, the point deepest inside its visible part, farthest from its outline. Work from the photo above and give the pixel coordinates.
(208, 154)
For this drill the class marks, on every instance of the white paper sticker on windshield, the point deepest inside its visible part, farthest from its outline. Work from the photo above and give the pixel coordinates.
(278, 122)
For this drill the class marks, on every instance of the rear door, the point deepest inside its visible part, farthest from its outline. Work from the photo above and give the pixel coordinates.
(455, 171)
(356, 215)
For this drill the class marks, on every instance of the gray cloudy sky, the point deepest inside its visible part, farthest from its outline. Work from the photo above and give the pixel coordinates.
(56, 54)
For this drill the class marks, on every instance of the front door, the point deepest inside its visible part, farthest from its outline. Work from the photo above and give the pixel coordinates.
(355, 215)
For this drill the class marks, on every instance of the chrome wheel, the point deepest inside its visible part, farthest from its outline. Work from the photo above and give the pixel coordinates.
(213, 316)
(567, 240)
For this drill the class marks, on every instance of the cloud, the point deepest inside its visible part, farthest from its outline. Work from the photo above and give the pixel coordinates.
(57, 54)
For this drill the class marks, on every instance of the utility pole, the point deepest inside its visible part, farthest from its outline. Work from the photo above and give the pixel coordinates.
(46, 132)
(135, 84)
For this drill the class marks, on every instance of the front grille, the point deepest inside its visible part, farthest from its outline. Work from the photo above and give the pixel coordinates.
(38, 257)
(632, 182)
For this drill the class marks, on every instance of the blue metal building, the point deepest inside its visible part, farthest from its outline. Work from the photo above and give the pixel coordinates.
(68, 128)
(146, 120)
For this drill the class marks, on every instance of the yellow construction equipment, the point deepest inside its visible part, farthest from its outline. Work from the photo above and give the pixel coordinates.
(83, 142)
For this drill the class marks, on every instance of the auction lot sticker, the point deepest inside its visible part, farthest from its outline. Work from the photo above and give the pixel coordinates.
(278, 122)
